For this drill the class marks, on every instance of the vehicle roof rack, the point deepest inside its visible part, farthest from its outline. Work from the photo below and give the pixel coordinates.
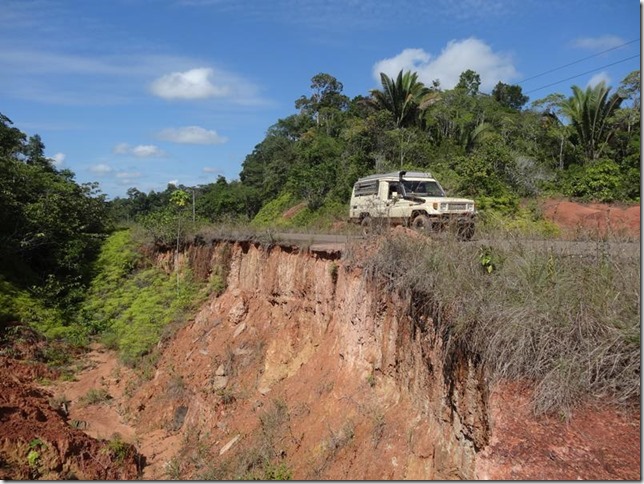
(396, 174)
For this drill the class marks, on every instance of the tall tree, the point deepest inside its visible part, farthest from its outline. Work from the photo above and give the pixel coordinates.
(589, 112)
(326, 101)
(629, 89)
(555, 132)
(11, 138)
(402, 97)
(469, 81)
(510, 96)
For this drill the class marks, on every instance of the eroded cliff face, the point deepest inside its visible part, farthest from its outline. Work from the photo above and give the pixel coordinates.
(370, 390)
(305, 361)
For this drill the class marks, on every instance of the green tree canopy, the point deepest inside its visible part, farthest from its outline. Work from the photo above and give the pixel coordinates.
(589, 112)
(402, 97)
(510, 96)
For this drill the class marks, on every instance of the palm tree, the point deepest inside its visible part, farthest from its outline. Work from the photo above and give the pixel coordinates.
(401, 97)
(588, 112)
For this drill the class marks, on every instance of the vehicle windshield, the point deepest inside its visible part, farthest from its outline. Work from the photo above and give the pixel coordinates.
(423, 188)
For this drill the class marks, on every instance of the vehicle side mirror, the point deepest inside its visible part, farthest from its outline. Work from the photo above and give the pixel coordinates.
(401, 190)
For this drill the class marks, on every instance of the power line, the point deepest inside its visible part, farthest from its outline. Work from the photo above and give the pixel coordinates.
(583, 73)
(578, 61)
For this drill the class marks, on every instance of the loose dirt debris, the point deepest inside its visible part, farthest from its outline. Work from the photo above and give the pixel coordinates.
(36, 438)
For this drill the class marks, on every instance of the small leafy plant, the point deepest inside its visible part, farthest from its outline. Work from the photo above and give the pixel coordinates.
(95, 396)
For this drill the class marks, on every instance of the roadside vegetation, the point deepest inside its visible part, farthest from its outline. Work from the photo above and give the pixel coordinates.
(567, 323)
(130, 302)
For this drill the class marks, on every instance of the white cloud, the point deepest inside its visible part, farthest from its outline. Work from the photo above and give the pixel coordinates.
(58, 159)
(192, 135)
(140, 151)
(174, 182)
(455, 58)
(598, 43)
(126, 174)
(101, 169)
(205, 83)
(121, 149)
(408, 59)
(128, 178)
(147, 151)
(599, 77)
(192, 84)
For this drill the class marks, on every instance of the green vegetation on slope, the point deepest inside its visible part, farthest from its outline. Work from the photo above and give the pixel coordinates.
(18, 304)
(130, 301)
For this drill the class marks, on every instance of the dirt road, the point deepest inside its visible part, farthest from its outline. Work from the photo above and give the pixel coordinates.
(338, 242)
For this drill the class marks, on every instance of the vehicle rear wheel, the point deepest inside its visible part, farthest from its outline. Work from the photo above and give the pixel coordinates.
(367, 225)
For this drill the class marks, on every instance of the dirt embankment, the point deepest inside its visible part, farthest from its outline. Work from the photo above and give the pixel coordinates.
(593, 219)
(38, 439)
(305, 368)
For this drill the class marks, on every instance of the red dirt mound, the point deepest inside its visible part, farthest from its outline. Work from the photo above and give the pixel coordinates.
(37, 442)
(593, 219)
(598, 443)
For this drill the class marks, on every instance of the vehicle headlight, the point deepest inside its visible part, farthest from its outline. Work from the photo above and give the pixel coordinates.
(470, 207)
(443, 206)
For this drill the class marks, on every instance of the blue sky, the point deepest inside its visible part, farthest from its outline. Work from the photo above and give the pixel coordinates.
(142, 93)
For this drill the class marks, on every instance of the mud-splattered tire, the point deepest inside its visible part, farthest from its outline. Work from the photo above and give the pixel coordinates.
(421, 222)
(367, 225)
(424, 224)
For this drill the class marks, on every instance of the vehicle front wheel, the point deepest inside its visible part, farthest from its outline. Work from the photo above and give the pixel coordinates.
(422, 223)
(465, 231)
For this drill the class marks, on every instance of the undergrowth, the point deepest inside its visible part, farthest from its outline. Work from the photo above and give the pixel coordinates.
(19, 304)
(287, 212)
(568, 323)
(130, 301)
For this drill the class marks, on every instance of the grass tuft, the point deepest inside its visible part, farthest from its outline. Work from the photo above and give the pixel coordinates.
(568, 322)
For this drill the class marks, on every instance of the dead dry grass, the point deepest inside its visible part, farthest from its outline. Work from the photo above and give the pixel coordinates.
(570, 324)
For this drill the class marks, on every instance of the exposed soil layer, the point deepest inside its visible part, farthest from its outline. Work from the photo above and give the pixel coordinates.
(36, 438)
(302, 364)
(593, 219)
(599, 442)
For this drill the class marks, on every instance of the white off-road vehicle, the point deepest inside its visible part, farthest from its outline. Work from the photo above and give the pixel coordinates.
(412, 199)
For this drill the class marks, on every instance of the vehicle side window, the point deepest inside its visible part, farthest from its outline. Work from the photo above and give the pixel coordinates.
(366, 188)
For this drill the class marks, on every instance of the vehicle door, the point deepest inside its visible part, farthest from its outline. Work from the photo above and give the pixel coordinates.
(397, 207)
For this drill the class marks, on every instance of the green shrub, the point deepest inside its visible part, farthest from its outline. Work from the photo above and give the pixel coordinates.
(270, 472)
(21, 305)
(129, 304)
(321, 218)
(95, 396)
(522, 221)
(270, 214)
(600, 180)
(117, 448)
(506, 204)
